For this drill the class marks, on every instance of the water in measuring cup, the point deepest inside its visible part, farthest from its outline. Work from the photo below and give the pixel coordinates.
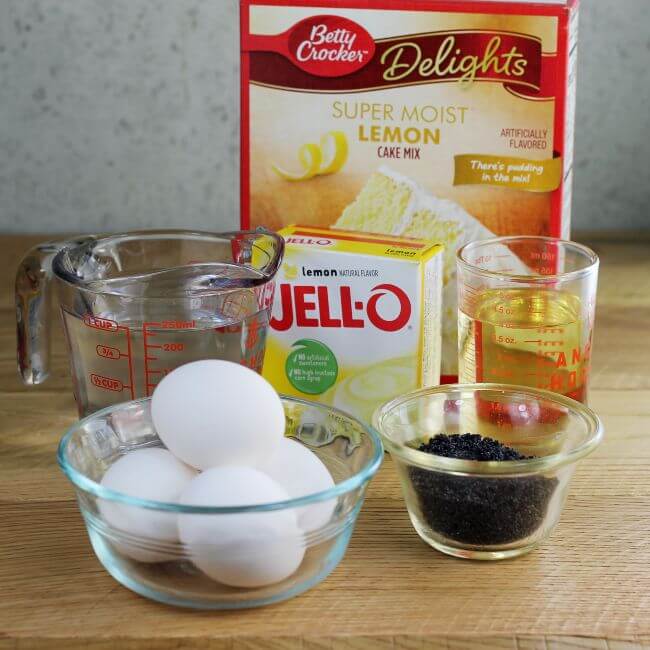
(530, 337)
(114, 361)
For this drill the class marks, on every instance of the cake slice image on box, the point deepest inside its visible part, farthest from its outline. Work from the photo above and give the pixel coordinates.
(390, 203)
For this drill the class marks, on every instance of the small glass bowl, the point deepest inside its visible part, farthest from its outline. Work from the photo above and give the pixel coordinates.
(163, 570)
(487, 510)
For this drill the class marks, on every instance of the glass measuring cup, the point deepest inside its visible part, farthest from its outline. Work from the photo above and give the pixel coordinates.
(137, 305)
(526, 313)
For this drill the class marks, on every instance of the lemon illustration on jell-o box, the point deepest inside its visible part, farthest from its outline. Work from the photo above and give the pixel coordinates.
(290, 271)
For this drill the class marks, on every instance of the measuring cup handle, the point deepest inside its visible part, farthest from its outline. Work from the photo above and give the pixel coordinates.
(33, 310)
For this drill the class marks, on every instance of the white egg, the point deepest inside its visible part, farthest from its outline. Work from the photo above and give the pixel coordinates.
(242, 550)
(301, 472)
(216, 412)
(152, 474)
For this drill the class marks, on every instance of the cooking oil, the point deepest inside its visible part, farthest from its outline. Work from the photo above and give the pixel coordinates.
(531, 337)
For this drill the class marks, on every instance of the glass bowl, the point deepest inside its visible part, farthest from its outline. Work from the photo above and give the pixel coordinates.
(164, 570)
(487, 510)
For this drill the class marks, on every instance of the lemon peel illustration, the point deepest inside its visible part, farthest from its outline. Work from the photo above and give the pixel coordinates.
(290, 271)
(328, 157)
(310, 158)
(334, 150)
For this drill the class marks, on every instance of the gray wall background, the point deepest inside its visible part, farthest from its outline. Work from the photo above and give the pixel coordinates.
(119, 114)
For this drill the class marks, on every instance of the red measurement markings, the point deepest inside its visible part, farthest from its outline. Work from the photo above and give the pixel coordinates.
(146, 334)
(536, 255)
(500, 339)
(523, 413)
(106, 352)
(176, 324)
(469, 297)
(252, 336)
(110, 352)
(167, 347)
(152, 350)
(98, 323)
(130, 359)
(107, 383)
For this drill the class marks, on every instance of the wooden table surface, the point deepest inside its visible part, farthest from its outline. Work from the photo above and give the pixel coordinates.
(588, 586)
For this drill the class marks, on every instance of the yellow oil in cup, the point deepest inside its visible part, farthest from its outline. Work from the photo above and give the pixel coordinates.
(526, 313)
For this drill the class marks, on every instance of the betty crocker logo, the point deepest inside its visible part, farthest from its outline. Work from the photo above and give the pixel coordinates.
(330, 46)
(321, 46)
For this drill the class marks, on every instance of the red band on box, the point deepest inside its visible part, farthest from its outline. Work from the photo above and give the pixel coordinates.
(468, 55)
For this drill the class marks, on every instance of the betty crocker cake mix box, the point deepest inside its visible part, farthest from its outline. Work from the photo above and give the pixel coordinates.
(356, 318)
(446, 121)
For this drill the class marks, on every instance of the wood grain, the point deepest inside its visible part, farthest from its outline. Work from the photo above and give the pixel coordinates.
(587, 587)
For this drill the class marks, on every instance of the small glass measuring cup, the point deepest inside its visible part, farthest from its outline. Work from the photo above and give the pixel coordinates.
(526, 313)
(137, 305)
